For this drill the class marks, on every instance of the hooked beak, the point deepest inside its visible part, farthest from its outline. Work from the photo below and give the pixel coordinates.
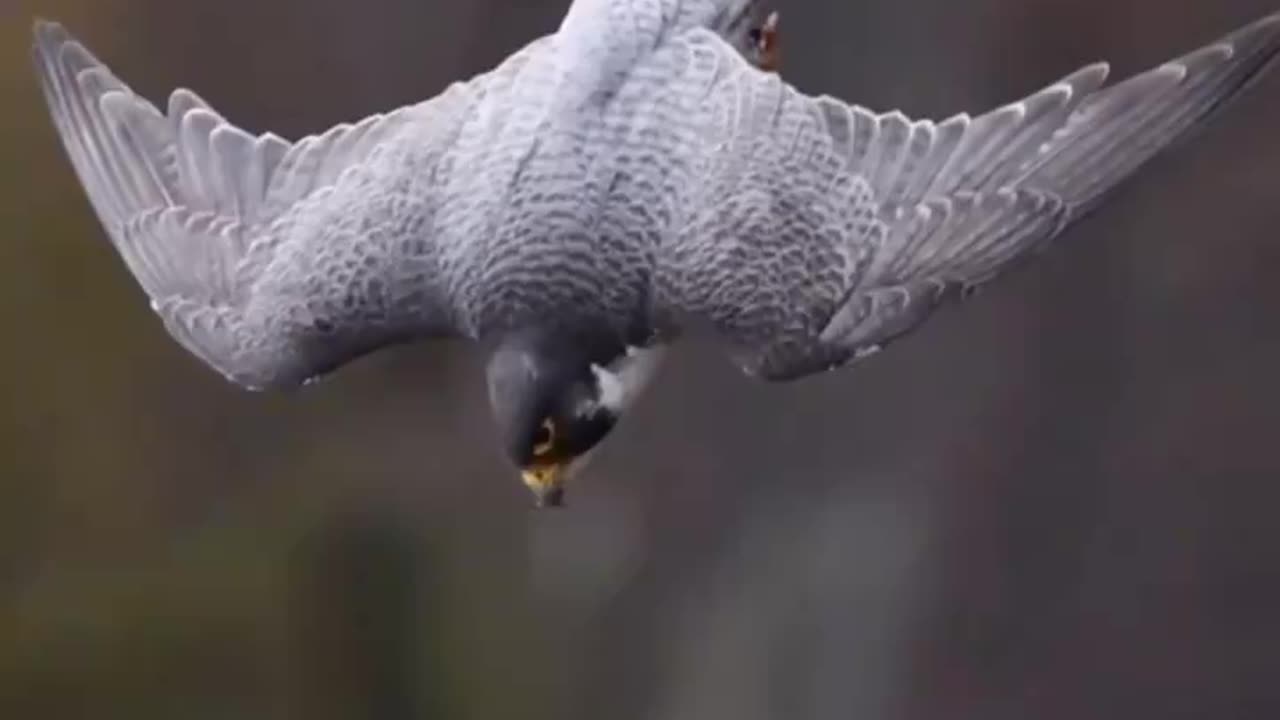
(547, 484)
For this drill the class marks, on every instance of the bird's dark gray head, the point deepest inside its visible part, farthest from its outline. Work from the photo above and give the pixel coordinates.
(554, 399)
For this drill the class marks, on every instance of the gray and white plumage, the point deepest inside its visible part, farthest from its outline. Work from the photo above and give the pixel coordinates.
(631, 173)
(275, 262)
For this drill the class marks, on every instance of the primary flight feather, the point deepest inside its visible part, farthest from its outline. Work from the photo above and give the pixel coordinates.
(637, 175)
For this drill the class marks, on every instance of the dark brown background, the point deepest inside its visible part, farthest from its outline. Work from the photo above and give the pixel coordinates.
(1056, 502)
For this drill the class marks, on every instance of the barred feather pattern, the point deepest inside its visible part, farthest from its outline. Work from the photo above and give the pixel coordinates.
(632, 174)
(825, 230)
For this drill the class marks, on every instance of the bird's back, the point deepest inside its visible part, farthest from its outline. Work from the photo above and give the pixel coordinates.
(559, 193)
(547, 201)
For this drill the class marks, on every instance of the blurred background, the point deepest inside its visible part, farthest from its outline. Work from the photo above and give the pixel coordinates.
(1058, 501)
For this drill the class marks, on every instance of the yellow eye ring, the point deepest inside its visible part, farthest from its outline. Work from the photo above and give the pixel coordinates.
(545, 439)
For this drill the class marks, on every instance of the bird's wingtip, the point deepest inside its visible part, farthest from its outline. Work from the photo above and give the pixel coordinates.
(1268, 25)
(48, 33)
(1272, 19)
(42, 26)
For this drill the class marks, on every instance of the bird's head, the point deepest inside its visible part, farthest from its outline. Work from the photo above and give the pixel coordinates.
(554, 397)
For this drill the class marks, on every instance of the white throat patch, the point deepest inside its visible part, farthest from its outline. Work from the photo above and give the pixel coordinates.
(622, 380)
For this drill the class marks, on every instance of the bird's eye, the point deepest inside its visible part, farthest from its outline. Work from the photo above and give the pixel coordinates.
(544, 439)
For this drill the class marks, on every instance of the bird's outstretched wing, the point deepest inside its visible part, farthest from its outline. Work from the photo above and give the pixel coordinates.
(204, 213)
(825, 230)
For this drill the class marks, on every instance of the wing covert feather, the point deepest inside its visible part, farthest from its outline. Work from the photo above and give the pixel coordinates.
(949, 204)
(197, 208)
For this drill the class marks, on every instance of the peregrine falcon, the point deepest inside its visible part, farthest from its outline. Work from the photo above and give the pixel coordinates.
(639, 175)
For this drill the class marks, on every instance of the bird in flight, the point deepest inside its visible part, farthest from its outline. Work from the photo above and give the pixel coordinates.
(640, 175)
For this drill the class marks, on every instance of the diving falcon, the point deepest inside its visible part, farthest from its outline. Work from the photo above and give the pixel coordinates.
(640, 175)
